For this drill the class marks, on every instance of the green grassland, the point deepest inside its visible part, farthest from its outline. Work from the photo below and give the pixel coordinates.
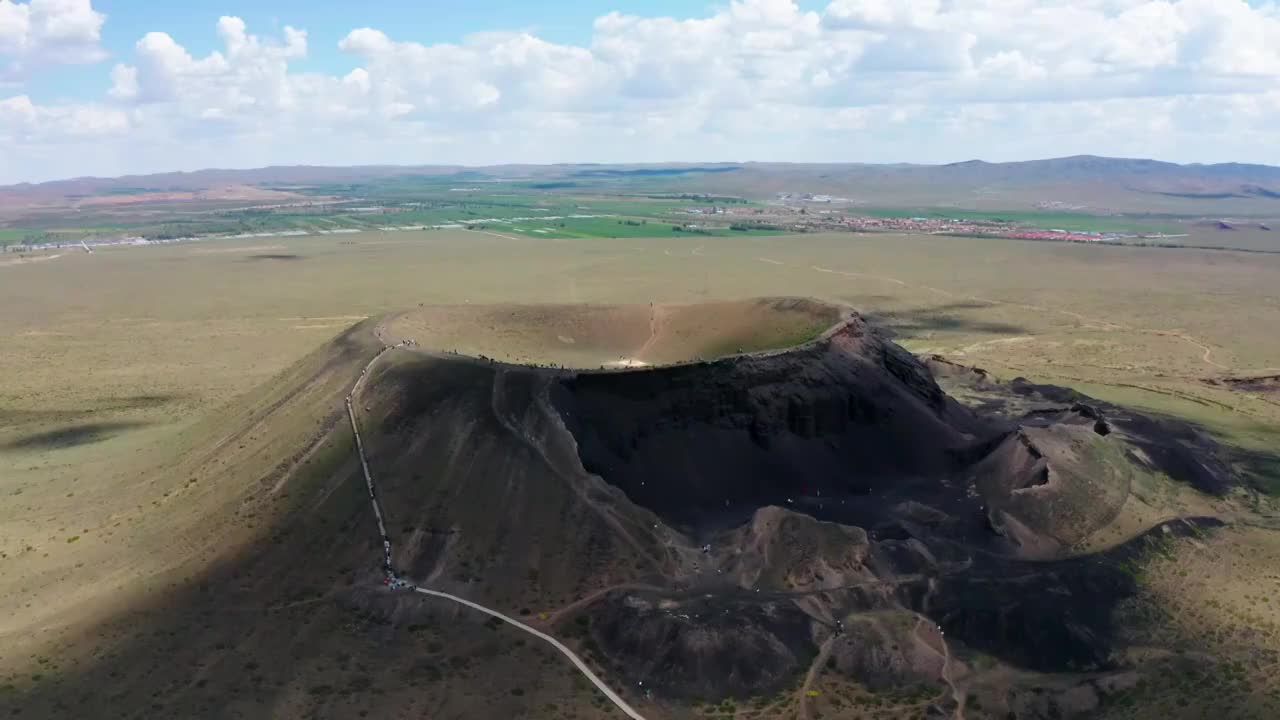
(12, 235)
(390, 204)
(474, 197)
(92, 331)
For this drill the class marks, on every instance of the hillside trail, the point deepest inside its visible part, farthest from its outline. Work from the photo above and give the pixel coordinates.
(824, 652)
(657, 323)
(396, 582)
(551, 617)
(577, 482)
(1207, 357)
(439, 569)
(956, 694)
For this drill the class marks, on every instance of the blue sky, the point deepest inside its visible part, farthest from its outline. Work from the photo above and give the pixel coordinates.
(327, 22)
(125, 86)
(431, 21)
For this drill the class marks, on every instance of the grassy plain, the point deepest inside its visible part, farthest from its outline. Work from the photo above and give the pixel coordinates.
(109, 359)
(1242, 237)
(190, 326)
(1210, 604)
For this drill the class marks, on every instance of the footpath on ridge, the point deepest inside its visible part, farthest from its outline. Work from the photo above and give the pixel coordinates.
(395, 582)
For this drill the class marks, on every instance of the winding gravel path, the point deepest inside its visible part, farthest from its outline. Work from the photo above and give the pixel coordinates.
(600, 684)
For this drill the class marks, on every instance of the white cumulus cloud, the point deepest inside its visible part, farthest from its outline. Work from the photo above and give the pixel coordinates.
(23, 121)
(922, 80)
(47, 32)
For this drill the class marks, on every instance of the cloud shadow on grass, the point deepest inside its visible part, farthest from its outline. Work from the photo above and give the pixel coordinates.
(1260, 468)
(71, 435)
(1191, 452)
(273, 256)
(12, 417)
(941, 318)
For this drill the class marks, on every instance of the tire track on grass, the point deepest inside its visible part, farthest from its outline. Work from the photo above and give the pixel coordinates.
(498, 235)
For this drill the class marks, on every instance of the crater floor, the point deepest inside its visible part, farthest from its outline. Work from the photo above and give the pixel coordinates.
(614, 336)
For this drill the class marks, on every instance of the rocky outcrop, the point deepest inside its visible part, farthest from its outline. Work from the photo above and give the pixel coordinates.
(702, 647)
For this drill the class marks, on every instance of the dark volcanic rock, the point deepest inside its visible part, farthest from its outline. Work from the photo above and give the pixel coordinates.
(884, 652)
(831, 492)
(703, 647)
(966, 515)
(851, 415)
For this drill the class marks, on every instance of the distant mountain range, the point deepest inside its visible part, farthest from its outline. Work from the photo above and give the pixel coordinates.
(1087, 180)
(1087, 168)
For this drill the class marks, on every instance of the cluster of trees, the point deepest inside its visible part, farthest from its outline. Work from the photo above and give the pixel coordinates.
(689, 229)
(31, 238)
(700, 197)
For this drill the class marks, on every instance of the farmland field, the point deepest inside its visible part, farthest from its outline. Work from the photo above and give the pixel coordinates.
(398, 202)
(564, 204)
